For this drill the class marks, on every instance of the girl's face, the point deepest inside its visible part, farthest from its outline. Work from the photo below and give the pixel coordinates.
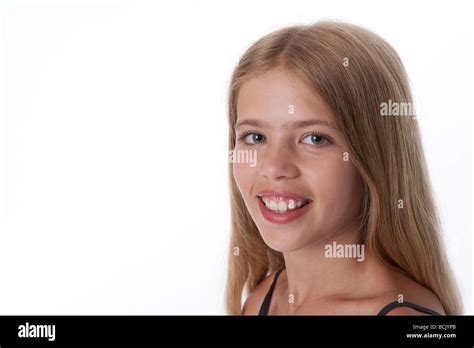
(303, 187)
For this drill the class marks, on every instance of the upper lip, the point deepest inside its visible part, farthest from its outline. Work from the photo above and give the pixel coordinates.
(286, 194)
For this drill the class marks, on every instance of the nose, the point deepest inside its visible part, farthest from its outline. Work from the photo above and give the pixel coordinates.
(277, 162)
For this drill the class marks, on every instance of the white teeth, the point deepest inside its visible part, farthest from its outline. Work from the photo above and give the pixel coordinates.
(273, 205)
(291, 204)
(280, 205)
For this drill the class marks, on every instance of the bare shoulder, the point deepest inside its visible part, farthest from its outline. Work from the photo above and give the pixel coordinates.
(408, 290)
(254, 300)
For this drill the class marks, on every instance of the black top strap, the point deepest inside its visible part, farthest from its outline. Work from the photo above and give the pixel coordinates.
(384, 311)
(268, 297)
(395, 304)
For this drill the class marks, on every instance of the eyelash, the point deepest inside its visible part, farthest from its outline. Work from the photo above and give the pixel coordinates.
(241, 138)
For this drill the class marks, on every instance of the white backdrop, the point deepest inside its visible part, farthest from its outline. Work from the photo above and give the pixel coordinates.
(113, 182)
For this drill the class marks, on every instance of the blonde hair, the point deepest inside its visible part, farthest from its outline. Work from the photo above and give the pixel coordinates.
(386, 151)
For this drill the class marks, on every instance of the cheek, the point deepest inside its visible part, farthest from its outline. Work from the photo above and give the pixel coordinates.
(244, 176)
(336, 188)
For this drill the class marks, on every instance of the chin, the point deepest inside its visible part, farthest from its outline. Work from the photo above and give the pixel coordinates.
(284, 239)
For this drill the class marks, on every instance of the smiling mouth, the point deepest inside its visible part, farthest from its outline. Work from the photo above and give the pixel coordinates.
(281, 204)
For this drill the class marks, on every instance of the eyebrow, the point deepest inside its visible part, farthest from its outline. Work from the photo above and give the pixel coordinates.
(292, 124)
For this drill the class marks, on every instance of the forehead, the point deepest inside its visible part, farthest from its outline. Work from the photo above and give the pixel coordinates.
(278, 95)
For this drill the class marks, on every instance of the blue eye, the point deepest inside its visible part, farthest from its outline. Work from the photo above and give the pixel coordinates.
(252, 138)
(315, 139)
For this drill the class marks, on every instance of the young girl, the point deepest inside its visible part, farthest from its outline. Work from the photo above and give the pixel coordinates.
(336, 216)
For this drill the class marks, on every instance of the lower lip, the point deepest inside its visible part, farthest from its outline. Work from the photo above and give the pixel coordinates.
(282, 218)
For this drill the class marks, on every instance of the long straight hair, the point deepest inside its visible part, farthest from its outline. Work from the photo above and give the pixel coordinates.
(354, 71)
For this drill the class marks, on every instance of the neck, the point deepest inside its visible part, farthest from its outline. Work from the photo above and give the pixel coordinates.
(329, 267)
